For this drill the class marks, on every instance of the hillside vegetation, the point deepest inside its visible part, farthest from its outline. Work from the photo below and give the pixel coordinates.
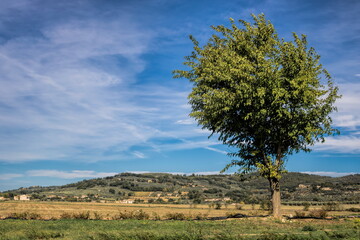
(168, 188)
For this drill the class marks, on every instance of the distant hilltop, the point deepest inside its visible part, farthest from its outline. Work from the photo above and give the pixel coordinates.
(188, 189)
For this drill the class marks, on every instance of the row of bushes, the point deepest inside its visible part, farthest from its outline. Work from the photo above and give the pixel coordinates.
(317, 203)
(121, 215)
(319, 214)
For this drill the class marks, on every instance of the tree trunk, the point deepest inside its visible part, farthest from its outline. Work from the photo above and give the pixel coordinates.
(275, 197)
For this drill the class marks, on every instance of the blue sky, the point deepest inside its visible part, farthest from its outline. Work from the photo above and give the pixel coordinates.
(87, 90)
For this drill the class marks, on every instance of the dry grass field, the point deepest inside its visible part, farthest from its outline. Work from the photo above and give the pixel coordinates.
(54, 210)
(73, 222)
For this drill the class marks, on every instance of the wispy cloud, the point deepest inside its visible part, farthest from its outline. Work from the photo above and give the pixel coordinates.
(139, 154)
(69, 91)
(9, 176)
(186, 121)
(348, 114)
(68, 174)
(340, 144)
(216, 150)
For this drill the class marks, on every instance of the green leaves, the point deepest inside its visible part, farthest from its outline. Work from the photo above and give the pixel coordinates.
(263, 95)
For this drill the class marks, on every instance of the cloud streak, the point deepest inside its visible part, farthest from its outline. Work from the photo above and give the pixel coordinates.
(70, 92)
(9, 176)
(68, 174)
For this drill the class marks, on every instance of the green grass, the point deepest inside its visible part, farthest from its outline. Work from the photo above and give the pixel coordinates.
(182, 230)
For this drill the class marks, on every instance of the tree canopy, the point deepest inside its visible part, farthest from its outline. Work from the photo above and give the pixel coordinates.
(265, 96)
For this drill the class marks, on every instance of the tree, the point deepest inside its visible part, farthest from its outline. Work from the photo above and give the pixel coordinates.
(267, 97)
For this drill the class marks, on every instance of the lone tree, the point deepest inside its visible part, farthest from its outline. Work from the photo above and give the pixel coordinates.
(267, 97)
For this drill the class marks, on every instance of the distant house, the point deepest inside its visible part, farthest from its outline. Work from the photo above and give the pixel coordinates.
(303, 186)
(128, 201)
(217, 199)
(213, 200)
(22, 198)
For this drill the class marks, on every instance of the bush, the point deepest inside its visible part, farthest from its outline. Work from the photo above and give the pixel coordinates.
(66, 215)
(318, 214)
(300, 214)
(138, 215)
(308, 228)
(200, 216)
(25, 216)
(306, 206)
(97, 216)
(82, 215)
(332, 206)
(353, 209)
(238, 206)
(155, 216)
(175, 216)
(218, 206)
(266, 205)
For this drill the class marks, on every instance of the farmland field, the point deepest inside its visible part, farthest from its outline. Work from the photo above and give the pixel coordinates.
(155, 225)
(53, 210)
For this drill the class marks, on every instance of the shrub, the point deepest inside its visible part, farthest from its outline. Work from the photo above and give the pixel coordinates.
(175, 216)
(155, 216)
(306, 206)
(238, 206)
(66, 215)
(266, 205)
(24, 216)
(137, 200)
(138, 215)
(97, 216)
(82, 215)
(300, 214)
(218, 206)
(308, 228)
(200, 216)
(353, 209)
(318, 214)
(332, 206)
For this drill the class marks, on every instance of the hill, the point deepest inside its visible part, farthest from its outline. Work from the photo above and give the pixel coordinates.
(162, 187)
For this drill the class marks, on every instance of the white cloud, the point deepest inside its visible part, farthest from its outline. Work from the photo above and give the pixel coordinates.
(340, 144)
(331, 174)
(69, 174)
(57, 102)
(186, 121)
(357, 75)
(216, 150)
(348, 114)
(139, 154)
(186, 144)
(8, 176)
(68, 94)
